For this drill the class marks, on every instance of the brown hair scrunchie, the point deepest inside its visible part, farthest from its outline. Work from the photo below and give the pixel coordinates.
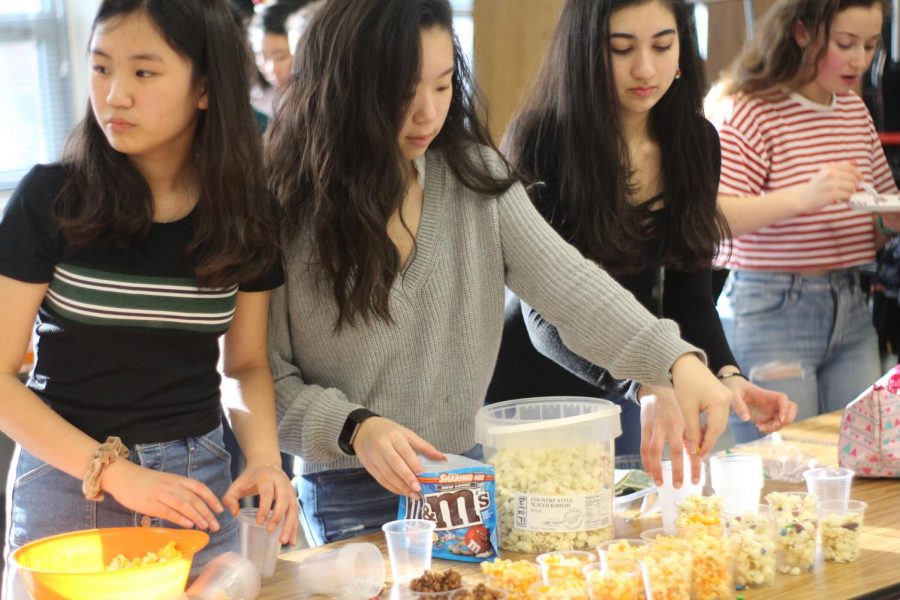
(106, 453)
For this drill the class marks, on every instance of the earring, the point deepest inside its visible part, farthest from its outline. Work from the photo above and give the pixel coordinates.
(677, 72)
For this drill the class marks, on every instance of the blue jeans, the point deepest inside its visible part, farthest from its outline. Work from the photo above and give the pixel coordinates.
(342, 503)
(44, 501)
(810, 337)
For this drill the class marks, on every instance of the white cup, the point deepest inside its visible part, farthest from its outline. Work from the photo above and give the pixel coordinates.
(738, 480)
(669, 497)
(257, 544)
(229, 576)
(829, 484)
(409, 546)
(352, 571)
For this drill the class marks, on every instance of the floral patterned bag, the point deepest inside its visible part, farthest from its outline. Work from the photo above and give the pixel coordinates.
(870, 430)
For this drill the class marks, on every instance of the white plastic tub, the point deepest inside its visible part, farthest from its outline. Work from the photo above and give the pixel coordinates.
(554, 461)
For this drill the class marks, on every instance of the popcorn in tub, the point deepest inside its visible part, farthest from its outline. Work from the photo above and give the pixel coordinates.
(554, 462)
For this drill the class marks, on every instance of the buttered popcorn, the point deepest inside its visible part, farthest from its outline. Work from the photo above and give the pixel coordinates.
(699, 514)
(554, 498)
(615, 585)
(515, 577)
(669, 567)
(841, 537)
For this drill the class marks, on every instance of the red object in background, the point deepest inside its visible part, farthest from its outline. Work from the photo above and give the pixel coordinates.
(889, 138)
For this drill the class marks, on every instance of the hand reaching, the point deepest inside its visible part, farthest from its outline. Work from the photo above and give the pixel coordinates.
(276, 495)
(767, 409)
(699, 392)
(661, 423)
(186, 502)
(387, 450)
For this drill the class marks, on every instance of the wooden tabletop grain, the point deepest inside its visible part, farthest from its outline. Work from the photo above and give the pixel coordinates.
(875, 575)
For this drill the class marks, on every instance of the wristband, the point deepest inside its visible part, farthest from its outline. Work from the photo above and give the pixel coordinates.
(104, 455)
(350, 429)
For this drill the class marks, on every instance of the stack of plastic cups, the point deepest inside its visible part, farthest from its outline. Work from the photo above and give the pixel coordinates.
(738, 480)
(829, 484)
(669, 497)
(352, 571)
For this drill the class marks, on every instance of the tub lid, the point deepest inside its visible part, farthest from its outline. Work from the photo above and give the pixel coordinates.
(526, 420)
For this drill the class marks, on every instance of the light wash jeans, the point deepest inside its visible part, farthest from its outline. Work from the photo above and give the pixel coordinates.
(342, 503)
(44, 501)
(810, 337)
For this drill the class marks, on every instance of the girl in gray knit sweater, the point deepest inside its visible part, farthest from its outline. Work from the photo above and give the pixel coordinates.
(403, 225)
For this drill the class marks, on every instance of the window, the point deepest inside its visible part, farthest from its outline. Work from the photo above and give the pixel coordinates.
(464, 25)
(36, 96)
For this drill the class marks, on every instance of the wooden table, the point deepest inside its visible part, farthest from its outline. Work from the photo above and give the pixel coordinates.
(875, 575)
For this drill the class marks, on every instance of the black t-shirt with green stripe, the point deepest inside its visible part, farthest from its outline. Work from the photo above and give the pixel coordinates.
(126, 341)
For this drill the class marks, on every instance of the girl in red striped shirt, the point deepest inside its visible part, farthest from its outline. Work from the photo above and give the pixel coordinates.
(796, 143)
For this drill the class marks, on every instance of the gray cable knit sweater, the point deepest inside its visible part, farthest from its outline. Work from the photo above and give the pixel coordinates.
(430, 368)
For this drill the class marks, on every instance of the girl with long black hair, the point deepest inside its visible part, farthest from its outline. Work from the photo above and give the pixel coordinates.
(129, 259)
(625, 167)
(403, 224)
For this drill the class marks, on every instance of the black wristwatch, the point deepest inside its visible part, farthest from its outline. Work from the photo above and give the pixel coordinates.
(351, 427)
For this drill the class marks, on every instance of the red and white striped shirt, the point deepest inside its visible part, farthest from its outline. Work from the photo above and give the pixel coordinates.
(770, 145)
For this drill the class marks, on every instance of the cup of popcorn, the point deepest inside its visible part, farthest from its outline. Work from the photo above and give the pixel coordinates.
(566, 564)
(699, 515)
(622, 551)
(713, 567)
(667, 569)
(514, 577)
(554, 462)
(559, 589)
(796, 527)
(752, 536)
(840, 526)
(615, 580)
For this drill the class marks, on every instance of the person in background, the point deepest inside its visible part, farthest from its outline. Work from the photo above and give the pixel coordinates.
(273, 46)
(626, 168)
(242, 10)
(130, 258)
(796, 143)
(403, 224)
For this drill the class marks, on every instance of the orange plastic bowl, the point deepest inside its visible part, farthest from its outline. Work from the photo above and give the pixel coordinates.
(71, 566)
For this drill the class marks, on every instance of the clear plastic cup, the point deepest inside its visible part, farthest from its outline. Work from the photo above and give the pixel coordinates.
(409, 543)
(752, 535)
(840, 524)
(564, 564)
(828, 483)
(559, 589)
(668, 573)
(738, 480)
(796, 523)
(713, 567)
(617, 552)
(669, 497)
(229, 576)
(257, 544)
(615, 581)
(352, 571)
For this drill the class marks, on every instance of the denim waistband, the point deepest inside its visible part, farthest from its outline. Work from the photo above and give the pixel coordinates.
(839, 278)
